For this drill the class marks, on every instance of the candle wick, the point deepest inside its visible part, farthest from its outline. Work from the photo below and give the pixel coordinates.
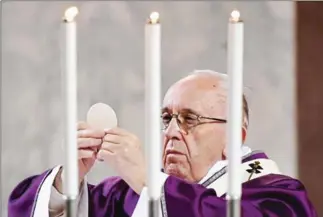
(153, 18)
(70, 14)
(235, 16)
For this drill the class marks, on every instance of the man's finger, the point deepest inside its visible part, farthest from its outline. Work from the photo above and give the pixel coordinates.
(90, 133)
(117, 131)
(112, 138)
(82, 125)
(111, 147)
(85, 153)
(120, 132)
(88, 142)
(105, 155)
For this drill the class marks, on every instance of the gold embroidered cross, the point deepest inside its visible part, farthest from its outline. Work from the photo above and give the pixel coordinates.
(255, 168)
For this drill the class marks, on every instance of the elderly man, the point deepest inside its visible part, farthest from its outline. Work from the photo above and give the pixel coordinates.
(194, 179)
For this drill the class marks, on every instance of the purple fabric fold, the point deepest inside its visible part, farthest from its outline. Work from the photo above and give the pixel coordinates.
(268, 196)
(23, 198)
(110, 198)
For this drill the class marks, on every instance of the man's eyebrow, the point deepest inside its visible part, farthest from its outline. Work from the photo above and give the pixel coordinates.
(184, 110)
(165, 109)
(189, 110)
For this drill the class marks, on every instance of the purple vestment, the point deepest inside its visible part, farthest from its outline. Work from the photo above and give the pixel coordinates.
(271, 195)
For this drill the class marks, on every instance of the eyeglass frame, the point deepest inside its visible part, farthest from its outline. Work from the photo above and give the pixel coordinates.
(189, 112)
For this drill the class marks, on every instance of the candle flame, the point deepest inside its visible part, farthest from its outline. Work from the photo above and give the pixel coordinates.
(235, 16)
(70, 14)
(154, 18)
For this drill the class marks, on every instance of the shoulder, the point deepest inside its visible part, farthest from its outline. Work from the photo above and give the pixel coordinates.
(268, 173)
(275, 180)
(279, 190)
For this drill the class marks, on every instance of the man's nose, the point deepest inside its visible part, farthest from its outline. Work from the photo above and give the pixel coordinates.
(173, 131)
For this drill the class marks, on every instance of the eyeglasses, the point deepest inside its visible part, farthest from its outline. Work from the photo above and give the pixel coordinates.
(187, 121)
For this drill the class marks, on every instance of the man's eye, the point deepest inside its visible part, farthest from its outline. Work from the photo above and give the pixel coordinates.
(166, 118)
(190, 119)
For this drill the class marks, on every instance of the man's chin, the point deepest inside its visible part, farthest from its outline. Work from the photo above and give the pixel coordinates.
(174, 171)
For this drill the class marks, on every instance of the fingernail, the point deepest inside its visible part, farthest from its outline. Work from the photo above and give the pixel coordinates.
(97, 156)
(99, 159)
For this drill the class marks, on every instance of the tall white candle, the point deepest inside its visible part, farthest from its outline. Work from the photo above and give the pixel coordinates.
(234, 130)
(70, 169)
(153, 103)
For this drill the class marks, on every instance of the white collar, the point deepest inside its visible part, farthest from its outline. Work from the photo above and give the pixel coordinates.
(222, 163)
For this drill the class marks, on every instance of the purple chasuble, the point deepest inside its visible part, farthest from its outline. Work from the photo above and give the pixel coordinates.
(272, 195)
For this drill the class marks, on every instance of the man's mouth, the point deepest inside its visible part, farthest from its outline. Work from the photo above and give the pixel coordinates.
(173, 152)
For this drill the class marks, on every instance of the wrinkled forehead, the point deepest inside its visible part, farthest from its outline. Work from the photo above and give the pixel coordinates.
(203, 94)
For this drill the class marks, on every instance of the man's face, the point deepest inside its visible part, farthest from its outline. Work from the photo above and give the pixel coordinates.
(189, 154)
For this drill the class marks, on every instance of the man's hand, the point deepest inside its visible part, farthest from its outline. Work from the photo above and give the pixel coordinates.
(122, 151)
(89, 142)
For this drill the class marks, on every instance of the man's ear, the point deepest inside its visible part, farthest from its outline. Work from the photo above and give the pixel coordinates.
(224, 154)
(244, 134)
